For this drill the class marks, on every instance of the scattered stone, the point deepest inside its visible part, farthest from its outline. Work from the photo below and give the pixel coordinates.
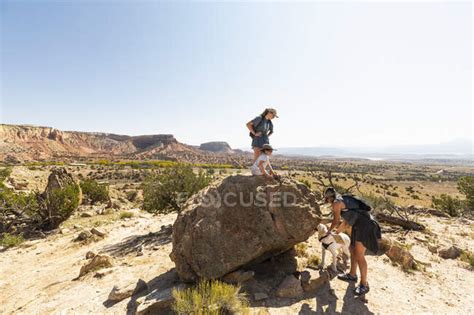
(433, 249)
(86, 214)
(64, 230)
(90, 254)
(157, 301)
(452, 252)
(98, 262)
(259, 296)
(211, 239)
(77, 226)
(290, 287)
(102, 273)
(120, 293)
(312, 280)
(98, 232)
(83, 236)
(238, 276)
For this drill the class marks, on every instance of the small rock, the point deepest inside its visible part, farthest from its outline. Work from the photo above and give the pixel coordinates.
(157, 301)
(64, 231)
(120, 293)
(98, 232)
(260, 296)
(86, 214)
(238, 276)
(83, 236)
(77, 226)
(98, 262)
(433, 249)
(452, 252)
(102, 273)
(90, 254)
(312, 280)
(290, 287)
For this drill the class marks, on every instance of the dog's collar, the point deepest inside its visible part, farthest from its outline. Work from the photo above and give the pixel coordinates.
(321, 238)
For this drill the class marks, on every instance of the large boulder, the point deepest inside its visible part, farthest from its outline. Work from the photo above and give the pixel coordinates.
(241, 220)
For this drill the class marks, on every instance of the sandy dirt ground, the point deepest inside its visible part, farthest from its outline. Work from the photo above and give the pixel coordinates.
(38, 277)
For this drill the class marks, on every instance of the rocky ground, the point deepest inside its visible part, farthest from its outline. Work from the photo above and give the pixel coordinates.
(41, 276)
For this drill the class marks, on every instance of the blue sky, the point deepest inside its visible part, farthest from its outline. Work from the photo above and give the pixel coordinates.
(353, 74)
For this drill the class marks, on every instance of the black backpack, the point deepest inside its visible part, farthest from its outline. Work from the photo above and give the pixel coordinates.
(353, 202)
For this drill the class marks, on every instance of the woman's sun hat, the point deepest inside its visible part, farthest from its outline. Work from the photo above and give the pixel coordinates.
(273, 111)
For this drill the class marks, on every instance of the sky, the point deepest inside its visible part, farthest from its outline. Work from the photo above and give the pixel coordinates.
(339, 74)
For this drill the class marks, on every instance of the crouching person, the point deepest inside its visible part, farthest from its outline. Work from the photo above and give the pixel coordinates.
(364, 236)
(262, 163)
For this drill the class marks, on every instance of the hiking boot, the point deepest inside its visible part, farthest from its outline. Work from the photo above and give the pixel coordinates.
(361, 289)
(347, 277)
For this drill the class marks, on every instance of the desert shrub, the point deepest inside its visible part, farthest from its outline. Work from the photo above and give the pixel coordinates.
(17, 209)
(306, 182)
(131, 195)
(126, 214)
(59, 205)
(468, 257)
(168, 190)
(448, 204)
(301, 250)
(314, 261)
(94, 191)
(210, 298)
(210, 171)
(5, 173)
(466, 187)
(9, 240)
(377, 202)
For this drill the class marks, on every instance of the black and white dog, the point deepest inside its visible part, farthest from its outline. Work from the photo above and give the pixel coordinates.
(333, 243)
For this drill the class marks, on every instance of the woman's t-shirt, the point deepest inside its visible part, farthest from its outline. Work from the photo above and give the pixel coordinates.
(266, 162)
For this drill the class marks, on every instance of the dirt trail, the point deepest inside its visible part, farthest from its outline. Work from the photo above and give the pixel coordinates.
(38, 277)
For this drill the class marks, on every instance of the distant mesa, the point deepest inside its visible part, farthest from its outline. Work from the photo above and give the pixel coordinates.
(21, 143)
(216, 146)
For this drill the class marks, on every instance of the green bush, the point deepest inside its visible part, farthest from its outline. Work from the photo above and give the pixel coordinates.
(466, 187)
(5, 173)
(94, 191)
(9, 240)
(17, 209)
(168, 190)
(307, 183)
(59, 205)
(448, 204)
(131, 195)
(126, 215)
(468, 257)
(210, 298)
(377, 202)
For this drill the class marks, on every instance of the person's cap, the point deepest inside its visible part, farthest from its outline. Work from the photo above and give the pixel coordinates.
(273, 111)
(267, 147)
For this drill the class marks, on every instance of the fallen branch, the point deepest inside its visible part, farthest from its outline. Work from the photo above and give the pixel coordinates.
(406, 224)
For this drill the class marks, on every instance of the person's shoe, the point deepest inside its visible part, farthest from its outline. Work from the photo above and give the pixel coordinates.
(361, 289)
(347, 277)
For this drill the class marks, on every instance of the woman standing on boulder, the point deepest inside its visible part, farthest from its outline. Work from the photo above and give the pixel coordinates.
(261, 127)
(365, 233)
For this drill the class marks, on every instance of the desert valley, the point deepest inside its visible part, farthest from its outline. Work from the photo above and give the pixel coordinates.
(105, 248)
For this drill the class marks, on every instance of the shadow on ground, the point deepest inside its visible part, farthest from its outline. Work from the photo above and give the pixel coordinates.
(135, 243)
